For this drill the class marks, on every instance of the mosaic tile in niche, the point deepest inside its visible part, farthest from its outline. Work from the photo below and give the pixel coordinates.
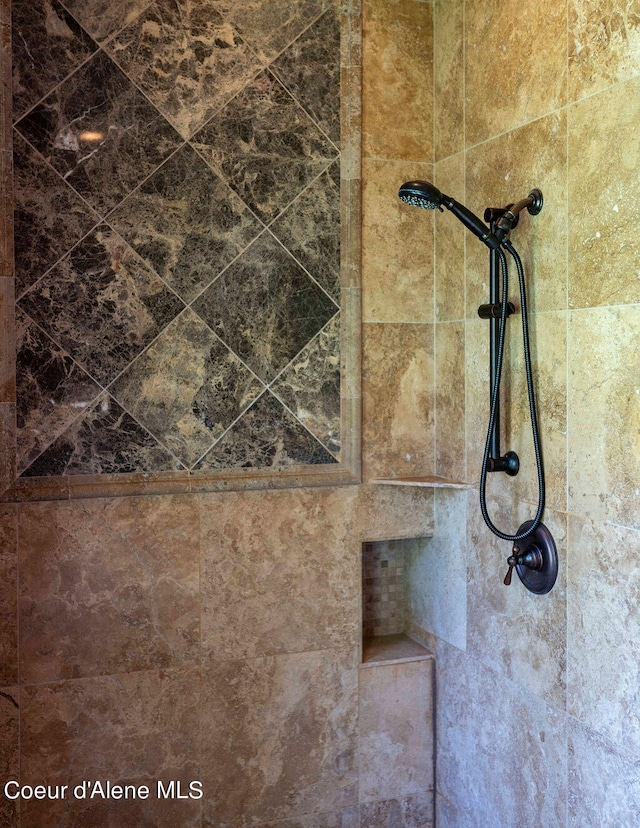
(105, 440)
(267, 435)
(310, 386)
(100, 133)
(47, 45)
(187, 388)
(310, 229)
(52, 390)
(310, 69)
(266, 146)
(186, 59)
(270, 25)
(49, 216)
(265, 307)
(103, 18)
(186, 223)
(102, 304)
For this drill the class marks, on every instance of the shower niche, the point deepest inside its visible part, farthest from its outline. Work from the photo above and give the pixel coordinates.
(386, 616)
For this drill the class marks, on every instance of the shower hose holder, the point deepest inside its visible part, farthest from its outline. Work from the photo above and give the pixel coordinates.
(535, 559)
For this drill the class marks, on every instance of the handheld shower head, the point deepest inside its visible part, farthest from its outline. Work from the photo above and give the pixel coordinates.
(421, 194)
(424, 194)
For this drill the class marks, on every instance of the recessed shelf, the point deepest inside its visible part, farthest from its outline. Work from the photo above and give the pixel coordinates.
(392, 649)
(427, 482)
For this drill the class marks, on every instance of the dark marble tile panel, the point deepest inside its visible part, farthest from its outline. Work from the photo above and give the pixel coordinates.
(266, 146)
(267, 436)
(186, 59)
(102, 304)
(105, 440)
(47, 45)
(133, 728)
(50, 217)
(100, 133)
(187, 388)
(265, 307)
(310, 69)
(8, 605)
(186, 223)
(310, 229)
(9, 752)
(52, 390)
(310, 387)
(279, 737)
(270, 25)
(103, 18)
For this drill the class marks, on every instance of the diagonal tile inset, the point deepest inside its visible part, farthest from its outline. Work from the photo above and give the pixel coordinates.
(266, 436)
(47, 44)
(270, 25)
(310, 229)
(186, 59)
(187, 388)
(266, 146)
(310, 69)
(105, 440)
(100, 133)
(49, 216)
(102, 304)
(186, 223)
(265, 307)
(310, 386)
(51, 390)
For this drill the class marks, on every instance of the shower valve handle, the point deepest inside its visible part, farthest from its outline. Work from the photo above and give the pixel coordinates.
(531, 558)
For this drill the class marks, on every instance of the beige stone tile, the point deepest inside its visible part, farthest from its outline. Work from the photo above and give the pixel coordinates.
(503, 171)
(107, 586)
(437, 571)
(396, 742)
(604, 414)
(415, 811)
(448, 69)
(603, 210)
(8, 599)
(389, 512)
(397, 246)
(450, 400)
(278, 738)
(483, 722)
(132, 729)
(604, 783)
(548, 338)
(477, 400)
(516, 64)
(604, 629)
(9, 752)
(338, 819)
(398, 400)
(450, 236)
(519, 635)
(398, 79)
(280, 572)
(604, 44)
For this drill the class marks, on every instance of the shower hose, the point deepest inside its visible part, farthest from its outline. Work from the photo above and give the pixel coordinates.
(495, 396)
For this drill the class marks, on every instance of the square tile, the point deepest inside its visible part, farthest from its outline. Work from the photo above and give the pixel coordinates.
(266, 146)
(102, 304)
(100, 133)
(187, 388)
(186, 223)
(265, 307)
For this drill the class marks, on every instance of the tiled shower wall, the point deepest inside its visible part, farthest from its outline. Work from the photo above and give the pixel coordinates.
(177, 226)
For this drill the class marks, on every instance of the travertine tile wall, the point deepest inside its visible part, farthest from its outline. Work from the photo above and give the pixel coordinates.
(537, 713)
(216, 636)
